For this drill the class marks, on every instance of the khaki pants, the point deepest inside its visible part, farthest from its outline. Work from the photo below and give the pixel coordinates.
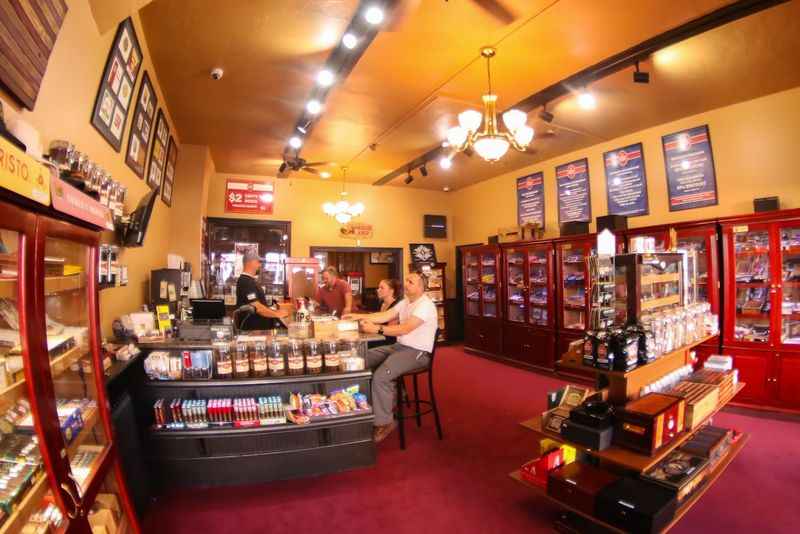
(388, 363)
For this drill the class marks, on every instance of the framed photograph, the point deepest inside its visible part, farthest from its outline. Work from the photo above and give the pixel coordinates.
(139, 136)
(158, 152)
(111, 106)
(422, 253)
(169, 172)
(381, 258)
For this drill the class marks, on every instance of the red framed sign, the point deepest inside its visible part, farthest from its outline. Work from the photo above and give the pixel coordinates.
(249, 196)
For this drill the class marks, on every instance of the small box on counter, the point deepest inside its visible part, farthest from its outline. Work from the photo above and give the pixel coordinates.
(597, 439)
(536, 471)
(679, 471)
(650, 422)
(578, 484)
(701, 401)
(636, 506)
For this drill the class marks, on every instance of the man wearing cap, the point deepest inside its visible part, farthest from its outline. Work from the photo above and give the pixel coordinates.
(249, 292)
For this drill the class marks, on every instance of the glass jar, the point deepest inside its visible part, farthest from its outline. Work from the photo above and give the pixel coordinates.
(258, 359)
(276, 358)
(331, 352)
(223, 365)
(295, 359)
(313, 357)
(61, 153)
(241, 362)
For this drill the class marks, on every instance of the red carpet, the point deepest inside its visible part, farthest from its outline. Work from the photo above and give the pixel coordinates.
(461, 484)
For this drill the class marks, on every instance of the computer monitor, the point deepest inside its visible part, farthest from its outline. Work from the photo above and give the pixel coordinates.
(208, 309)
(140, 218)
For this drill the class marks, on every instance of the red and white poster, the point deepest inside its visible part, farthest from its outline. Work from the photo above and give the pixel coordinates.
(249, 196)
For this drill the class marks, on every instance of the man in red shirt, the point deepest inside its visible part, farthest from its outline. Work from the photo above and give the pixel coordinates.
(334, 296)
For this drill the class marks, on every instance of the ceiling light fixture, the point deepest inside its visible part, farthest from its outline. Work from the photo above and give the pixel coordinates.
(640, 76)
(350, 41)
(342, 210)
(445, 162)
(409, 178)
(295, 142)
(586, 100)
(324, 174)
(373, 15)
(491, 144)
(325, 78)
(423, 170)
(545, 115)
(446, 188)
(313, 107)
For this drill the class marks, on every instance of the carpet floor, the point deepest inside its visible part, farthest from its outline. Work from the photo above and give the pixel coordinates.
(461, 484)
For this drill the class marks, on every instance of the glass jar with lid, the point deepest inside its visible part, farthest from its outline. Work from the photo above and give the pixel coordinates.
(223, 363)
(258, 359)
(330, 348)
(241, 361)
(313, 357)
(276, 358)
(295, 360)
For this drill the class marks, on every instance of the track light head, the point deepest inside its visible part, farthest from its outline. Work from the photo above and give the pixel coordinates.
(423, 170)
(282, 168)
(640, 76)
(546, 116)
(409, 179)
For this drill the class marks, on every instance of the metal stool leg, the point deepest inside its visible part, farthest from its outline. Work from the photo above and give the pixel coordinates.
(416, 401)
(405, 392)
(401, 422)
(433, 404)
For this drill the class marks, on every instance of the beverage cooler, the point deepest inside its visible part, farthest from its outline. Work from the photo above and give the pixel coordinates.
(56, 423)
(573, 306)
(762, 306)
(529, 302)
(482, 291)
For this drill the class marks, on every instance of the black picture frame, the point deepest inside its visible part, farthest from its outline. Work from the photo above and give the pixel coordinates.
(168, 184)
(422, 253)
(141, 127)
(158, 151)
(113, 101)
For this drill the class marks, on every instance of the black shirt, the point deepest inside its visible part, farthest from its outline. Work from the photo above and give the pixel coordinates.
(247, 292)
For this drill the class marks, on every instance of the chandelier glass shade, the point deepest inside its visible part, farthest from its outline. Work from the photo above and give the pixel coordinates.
(491, 143)
(342, 210)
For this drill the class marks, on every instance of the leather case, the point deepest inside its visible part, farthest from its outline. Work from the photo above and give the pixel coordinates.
(578, 484)
(636, 506)
(650, 422)
(593, 414)
(593, 438)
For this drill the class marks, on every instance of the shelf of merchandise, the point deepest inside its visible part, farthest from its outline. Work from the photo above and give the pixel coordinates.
(683, 507)
(266, 381)
(658, 303)
(89, 423)
(660, 278)
(357, 417)
(52, 285)
(59, 364)
(27, 506)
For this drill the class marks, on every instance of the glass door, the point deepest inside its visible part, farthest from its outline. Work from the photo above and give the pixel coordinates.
(472, 284)
(539, 286)
(574, 286)
(790, 286)
(489, 283)
(703, 243)
(516, 292)
(27, 500)
(751, 263)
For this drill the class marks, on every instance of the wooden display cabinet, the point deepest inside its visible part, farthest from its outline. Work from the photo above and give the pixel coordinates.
(647, 283)
(482, 275)
(52, 361)
(573, 284)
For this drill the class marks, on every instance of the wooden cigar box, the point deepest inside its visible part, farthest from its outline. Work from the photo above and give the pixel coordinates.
(709, 442)
(722, 379)
(680, 472)
(635, 505)
(578, 484)
(650, 422)
(701, 401)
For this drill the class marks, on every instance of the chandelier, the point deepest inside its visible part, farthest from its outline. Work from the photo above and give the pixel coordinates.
(342, 210)
(491, 144)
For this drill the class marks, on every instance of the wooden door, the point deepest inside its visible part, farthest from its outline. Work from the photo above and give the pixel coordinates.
(787, 379)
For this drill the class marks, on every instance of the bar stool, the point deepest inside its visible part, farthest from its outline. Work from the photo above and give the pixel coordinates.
(402, 398)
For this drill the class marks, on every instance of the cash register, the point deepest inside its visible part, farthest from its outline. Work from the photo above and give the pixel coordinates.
(208, 322)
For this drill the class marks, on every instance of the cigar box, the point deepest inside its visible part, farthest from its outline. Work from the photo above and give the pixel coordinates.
(679, 471)
(650, 422)
(701, 401)
(577, 485)
(635, 505)
(593, 414)
(723, 379)
(536, 470)
(593, 438)
(552, 419)
(709, 442)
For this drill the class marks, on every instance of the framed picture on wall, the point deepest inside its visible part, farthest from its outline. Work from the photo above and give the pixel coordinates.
(422, 253)
(169, 172)
(112, 102)
(689, 161)
(141, 126)
(158, 151)
(381, 258)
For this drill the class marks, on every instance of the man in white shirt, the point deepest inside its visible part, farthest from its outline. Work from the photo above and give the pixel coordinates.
(415, 337)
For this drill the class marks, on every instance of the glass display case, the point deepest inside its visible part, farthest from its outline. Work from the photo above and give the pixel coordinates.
(528, 295)
(790, 285)
(704, 265)
(481, 274)
(751, 250)
(472, 284)
(575, 284)
(647, 283)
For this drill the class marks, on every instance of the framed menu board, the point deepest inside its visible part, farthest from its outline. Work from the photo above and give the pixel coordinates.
(574, 198)
(169, 172)
(158, 151)
(141, 126)
(691, 182)
(626, 181)
(116, 87)
(530, 199)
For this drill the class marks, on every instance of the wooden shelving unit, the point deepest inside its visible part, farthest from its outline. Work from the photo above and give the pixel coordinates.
(29, 504)
(658, 303)
(660, 278)
(53, 285)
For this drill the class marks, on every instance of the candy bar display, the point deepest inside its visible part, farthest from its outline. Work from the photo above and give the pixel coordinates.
(311, 407)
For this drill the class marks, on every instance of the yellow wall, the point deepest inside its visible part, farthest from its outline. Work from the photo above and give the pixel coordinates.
(63, 111)
(754, 145)
(395, 213)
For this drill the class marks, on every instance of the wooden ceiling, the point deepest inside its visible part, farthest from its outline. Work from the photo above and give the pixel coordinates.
(424, 69)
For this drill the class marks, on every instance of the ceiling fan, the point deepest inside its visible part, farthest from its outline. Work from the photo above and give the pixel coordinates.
(299, 164)
(495, 8)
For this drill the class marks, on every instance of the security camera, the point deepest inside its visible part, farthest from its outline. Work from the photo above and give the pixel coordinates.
(217, 73)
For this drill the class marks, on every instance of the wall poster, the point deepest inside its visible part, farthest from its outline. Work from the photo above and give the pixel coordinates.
(691, 181)
(530, 199)
(574, 197)
(158, 151)
(626, 181)
(141, 127)
(169, 173)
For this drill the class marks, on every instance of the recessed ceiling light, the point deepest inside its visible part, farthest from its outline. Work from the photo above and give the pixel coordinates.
(325, 78)
(324, 174)
(446, 188)
(350, 41)
(445, 162)
(373, 15)
(313, 107)
(586, 100)
(295, 142)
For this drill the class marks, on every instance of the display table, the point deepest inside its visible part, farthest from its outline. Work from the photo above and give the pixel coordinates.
(623, 460)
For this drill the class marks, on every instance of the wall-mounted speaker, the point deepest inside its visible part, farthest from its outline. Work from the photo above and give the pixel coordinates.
(612, 222)
(574, 228)
(435, 226)
(766, 204)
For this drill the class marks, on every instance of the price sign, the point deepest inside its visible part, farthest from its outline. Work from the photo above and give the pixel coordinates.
(249, 196)
(23, 175)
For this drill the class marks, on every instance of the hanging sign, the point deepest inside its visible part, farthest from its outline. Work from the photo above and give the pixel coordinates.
(626, 181)
(356, 231)
(574, 199)
(23, 175)
(72, 201)
(249, 196)
(691, 181)
(530, 199)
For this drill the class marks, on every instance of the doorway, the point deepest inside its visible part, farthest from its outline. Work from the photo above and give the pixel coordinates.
(363, 268)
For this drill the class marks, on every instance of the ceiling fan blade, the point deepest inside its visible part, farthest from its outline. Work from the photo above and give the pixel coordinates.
(496, 9)
(402, 12)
